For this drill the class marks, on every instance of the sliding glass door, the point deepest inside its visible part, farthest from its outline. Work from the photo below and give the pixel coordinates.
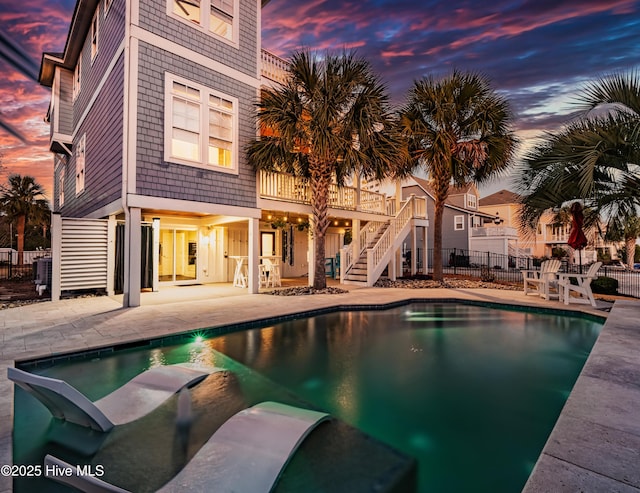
(178, 258)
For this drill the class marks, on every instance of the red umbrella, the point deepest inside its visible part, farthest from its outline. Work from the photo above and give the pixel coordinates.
(577, 239)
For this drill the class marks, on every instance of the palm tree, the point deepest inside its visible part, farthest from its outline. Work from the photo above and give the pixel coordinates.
(328, 122)
(595, 159)
(459, 131)
(627, 230)
(19, 201)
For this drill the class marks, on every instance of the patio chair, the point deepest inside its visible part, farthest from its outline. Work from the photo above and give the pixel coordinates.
(543, 281)
(247, 454)
(582, 288)
(138, 397)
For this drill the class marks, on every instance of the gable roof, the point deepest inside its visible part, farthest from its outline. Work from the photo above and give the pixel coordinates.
(500, 198)
(428, 189)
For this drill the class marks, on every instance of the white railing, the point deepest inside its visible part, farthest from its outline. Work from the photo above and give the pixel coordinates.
(378, 253)
(372, 202)
(497, 231)
(281, 186)
(274, 68)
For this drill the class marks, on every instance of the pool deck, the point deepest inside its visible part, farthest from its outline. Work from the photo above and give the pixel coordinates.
(595, 445)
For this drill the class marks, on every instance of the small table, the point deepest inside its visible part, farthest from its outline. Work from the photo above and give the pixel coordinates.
(239, 276)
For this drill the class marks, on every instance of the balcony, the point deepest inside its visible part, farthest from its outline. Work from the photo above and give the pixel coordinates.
(288, 188)
(273, 67)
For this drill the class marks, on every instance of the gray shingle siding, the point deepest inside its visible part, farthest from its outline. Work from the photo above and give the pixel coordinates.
(154, 18)
(156, 177)
(450, 237)
(110, 36)
(103, 155)
(65, 103)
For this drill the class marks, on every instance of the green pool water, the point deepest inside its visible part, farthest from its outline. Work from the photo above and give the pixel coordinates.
(471, 392)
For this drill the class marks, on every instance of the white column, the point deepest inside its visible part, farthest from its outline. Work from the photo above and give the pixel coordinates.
(355, 239)
(425, 248)
(414, 250)
(155, 283)
(132, 257)
(111, 254)
(56, 245)
(254, 254)
(311, 252)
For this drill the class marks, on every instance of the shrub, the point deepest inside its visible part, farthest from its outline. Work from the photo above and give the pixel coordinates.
(486, 275)
(604, 285)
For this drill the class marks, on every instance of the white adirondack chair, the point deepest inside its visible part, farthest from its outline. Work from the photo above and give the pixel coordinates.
(543, 282)
(582, 289)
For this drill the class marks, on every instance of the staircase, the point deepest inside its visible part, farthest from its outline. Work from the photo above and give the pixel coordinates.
(378, 248)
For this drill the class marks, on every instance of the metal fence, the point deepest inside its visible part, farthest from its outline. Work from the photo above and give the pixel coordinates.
(507, 268)
(11, 269)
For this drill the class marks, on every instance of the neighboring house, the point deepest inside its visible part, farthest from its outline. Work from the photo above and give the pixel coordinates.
(461, 217)
(548, 235)
(153, 102)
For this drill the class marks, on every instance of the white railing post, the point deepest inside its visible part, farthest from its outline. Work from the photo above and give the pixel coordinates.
(56, 254)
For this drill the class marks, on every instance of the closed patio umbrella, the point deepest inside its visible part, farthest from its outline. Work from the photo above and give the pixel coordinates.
(577, 238)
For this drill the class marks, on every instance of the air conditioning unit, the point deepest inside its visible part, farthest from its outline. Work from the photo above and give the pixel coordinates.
(43, 274)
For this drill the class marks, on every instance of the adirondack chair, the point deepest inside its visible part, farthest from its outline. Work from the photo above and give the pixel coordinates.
(543, 282)
(583, 287)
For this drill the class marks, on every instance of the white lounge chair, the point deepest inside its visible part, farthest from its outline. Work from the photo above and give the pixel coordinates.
(246, 454)
(139, 396)
(583, 287)
(543, 281)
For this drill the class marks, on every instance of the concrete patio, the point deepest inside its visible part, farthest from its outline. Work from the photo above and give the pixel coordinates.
(595, 445)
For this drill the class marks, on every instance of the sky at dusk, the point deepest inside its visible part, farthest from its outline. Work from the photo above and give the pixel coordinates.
(537, 52)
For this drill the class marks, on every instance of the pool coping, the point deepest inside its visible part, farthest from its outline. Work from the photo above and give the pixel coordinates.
(78, 319)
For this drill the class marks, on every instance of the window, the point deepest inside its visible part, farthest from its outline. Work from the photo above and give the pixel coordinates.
(212, 16)
(77, 74)
(200, 126)
(80, 164)
(458, 223)
(95, 26)
(61, 185)
(475, 221)
(472, 201)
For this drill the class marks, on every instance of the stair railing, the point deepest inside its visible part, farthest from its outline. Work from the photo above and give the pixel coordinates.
(377, 254)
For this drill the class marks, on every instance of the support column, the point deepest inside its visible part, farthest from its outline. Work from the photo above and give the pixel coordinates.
(425, 253)
(311, 252)
(414, 250)
(132, 257)
(355, 238)
(155, 284)
(111, 254)
(254, 254)
(56, 246)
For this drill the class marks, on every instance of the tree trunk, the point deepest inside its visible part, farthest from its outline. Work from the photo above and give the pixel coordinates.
(630, 246)
(437, 240)
(20, 227)
(320, 181)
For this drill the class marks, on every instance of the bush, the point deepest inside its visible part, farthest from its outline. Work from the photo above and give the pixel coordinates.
(604, 285)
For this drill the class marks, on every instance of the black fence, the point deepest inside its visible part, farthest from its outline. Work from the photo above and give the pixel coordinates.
(11, 269)
(507, 268)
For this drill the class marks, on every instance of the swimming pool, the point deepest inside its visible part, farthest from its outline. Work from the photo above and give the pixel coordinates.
(471, 392)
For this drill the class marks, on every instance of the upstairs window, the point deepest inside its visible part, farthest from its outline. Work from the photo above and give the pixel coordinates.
(212, 16)
(200, 126)
(80, 164)
(472, 201)
(95, 27)
(77, 74)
